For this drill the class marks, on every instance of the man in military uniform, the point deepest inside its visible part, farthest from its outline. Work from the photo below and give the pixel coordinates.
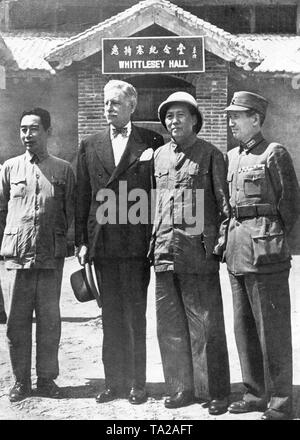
(190, 322)
(3, 316)
(264, 198)
(36, 209)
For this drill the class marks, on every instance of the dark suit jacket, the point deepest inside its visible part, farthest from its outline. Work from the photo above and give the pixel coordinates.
(95, 171)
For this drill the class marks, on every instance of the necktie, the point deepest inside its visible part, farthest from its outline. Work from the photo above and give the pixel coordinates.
(122, 131)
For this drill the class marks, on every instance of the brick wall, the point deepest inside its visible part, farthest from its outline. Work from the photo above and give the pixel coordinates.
(90, 96)
(211, 94)
(58, 94)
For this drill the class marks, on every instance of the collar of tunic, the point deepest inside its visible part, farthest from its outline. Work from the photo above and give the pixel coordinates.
(252, 143)
(40, 156)
(185, 146)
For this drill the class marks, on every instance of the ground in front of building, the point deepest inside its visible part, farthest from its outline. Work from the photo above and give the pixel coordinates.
(81, 370)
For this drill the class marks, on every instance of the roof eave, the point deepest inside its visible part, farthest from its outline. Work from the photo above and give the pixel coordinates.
(143, 15)
(6, 57)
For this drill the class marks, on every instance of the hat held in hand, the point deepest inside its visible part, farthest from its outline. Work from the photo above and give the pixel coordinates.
(84, 285)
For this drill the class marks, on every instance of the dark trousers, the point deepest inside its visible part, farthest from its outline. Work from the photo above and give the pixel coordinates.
(2, 308)
(124, 299)
(191, 334)
(39, 290)
(262, 326)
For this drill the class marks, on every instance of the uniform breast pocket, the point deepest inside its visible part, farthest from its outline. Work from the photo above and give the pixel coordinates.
(254, 183)
(161, 177)
(197, 176)
(18, 188)
(58, 187)
(9, 246)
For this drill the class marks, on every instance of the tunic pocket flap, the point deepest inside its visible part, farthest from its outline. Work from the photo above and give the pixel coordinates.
(254, 182)
(18, 187)
(255, 174)
(269, 248)
(56, 181)
(11, 230)
(18, 180)
(195, 169)
(268, 236)
(161, 173)
(202, 171)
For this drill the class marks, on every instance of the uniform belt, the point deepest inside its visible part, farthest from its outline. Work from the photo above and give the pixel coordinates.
(253, 210)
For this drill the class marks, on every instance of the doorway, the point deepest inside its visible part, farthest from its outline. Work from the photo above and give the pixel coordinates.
(152, 91)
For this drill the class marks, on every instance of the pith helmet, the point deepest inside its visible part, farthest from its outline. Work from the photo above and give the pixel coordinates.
(180, 97)
(243, 101)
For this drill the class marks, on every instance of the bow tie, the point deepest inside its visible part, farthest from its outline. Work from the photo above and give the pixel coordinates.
(122, 131)
(34, 159)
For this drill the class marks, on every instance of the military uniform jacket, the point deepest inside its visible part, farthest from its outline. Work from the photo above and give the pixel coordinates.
(36, 210)
(96, 171)
(177, 243)
(265, 203)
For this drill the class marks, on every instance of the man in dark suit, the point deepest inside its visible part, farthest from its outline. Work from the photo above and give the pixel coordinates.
(111, 164)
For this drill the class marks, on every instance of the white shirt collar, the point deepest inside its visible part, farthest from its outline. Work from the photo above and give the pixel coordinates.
(119, 143)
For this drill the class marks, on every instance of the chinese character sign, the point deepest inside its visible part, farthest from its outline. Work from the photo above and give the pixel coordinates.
(153, 55)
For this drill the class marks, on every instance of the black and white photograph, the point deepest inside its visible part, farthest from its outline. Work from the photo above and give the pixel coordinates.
(149, 212)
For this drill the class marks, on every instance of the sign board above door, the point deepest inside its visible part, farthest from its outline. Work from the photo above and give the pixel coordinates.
(153, 55)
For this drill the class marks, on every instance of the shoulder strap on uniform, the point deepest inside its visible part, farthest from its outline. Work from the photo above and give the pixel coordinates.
(273, 144)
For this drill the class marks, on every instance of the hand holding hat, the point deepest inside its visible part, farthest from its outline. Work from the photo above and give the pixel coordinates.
(85, 286)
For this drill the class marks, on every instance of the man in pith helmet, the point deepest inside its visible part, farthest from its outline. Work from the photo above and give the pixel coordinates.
(189, 234)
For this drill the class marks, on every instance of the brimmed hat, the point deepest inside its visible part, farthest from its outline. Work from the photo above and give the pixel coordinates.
(243, 101)
(85, 286)
(182, 97)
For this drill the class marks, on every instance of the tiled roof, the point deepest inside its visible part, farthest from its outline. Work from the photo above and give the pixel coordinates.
(280, 53)
(29, 48)
(34, 51)
(144, 14)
